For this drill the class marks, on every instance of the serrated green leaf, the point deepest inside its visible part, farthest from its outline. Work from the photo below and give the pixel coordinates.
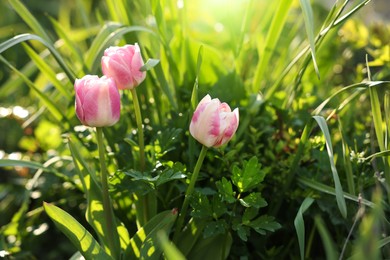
(214, 228)
(242, 231)
(201, 205)
(264, 223)
(225, 188)
(77, 234)
(249, 214)
(149, 64)
(254, 200)
(169, 175)
(219, 207)
(248, 177)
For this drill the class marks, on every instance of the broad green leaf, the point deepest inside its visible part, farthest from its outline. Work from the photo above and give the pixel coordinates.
(169, 175)
(201, 206)
(144, 242)
(309, 25)
(248, 177)
(170, 250)
(225, 188)
(190, 235)
(76, 233)
(300, 225)
(149, 64)
(212, 248)
(338, 188)
(92, 189)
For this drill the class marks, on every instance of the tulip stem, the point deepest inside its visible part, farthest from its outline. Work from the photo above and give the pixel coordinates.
(112, 232)
(189, 192)
(138, 119)
(146, 204)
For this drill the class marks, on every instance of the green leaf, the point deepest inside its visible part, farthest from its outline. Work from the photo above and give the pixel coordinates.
(170, 250)
(248, 177)
(27, 37)
(300, 225)
(214, 228)
(29, 19)
(194, 95)
(149, 64)
(212, 248)
(54, 110)
(254, 200)
(225, 188)
(77, 234)
(169, 175)
(22, 163)
(201, 205)
(264, 223)
(338, 188)
(190, 235)
(309, 25)
(47, 70)
(144, 244)
(327, 242)
(249, 214)
(269, 46)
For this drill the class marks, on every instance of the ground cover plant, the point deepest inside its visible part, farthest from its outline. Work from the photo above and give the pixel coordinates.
(194, 130)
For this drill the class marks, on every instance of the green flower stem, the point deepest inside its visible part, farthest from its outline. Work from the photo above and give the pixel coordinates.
(138, 119)
(146, 204)
(112, 232)
(190, 190)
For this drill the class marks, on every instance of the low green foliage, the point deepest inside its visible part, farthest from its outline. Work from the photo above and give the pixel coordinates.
(308, 149)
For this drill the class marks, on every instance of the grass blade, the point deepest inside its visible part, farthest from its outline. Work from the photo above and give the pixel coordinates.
(300, 225)
(339, 190)
(26, 37)
(47, 70)
(29, 19)
(53, 108)
(270, 43)
(329, 246)
(309, 24)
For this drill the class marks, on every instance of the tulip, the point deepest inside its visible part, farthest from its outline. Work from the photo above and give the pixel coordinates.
(97, 101)
(213, 123)
(123, 64)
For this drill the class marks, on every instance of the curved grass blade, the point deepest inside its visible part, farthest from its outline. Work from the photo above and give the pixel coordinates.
(77, 234)
(26, 37)
(47, 70)
(29, 19)
(170, 250)
(53, 108)
(309, 24)
(329, 246)
(22, 163)
(339, 190)
(331, 191)
(299, 224)
(270, 43)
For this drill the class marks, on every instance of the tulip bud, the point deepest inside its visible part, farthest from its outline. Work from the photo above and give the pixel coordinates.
(97, 101)
(123, 64)
(213, 123)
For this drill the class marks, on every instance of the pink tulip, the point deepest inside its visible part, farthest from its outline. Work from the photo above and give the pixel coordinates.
(213, 123)
(123, 65)
(97, 101)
